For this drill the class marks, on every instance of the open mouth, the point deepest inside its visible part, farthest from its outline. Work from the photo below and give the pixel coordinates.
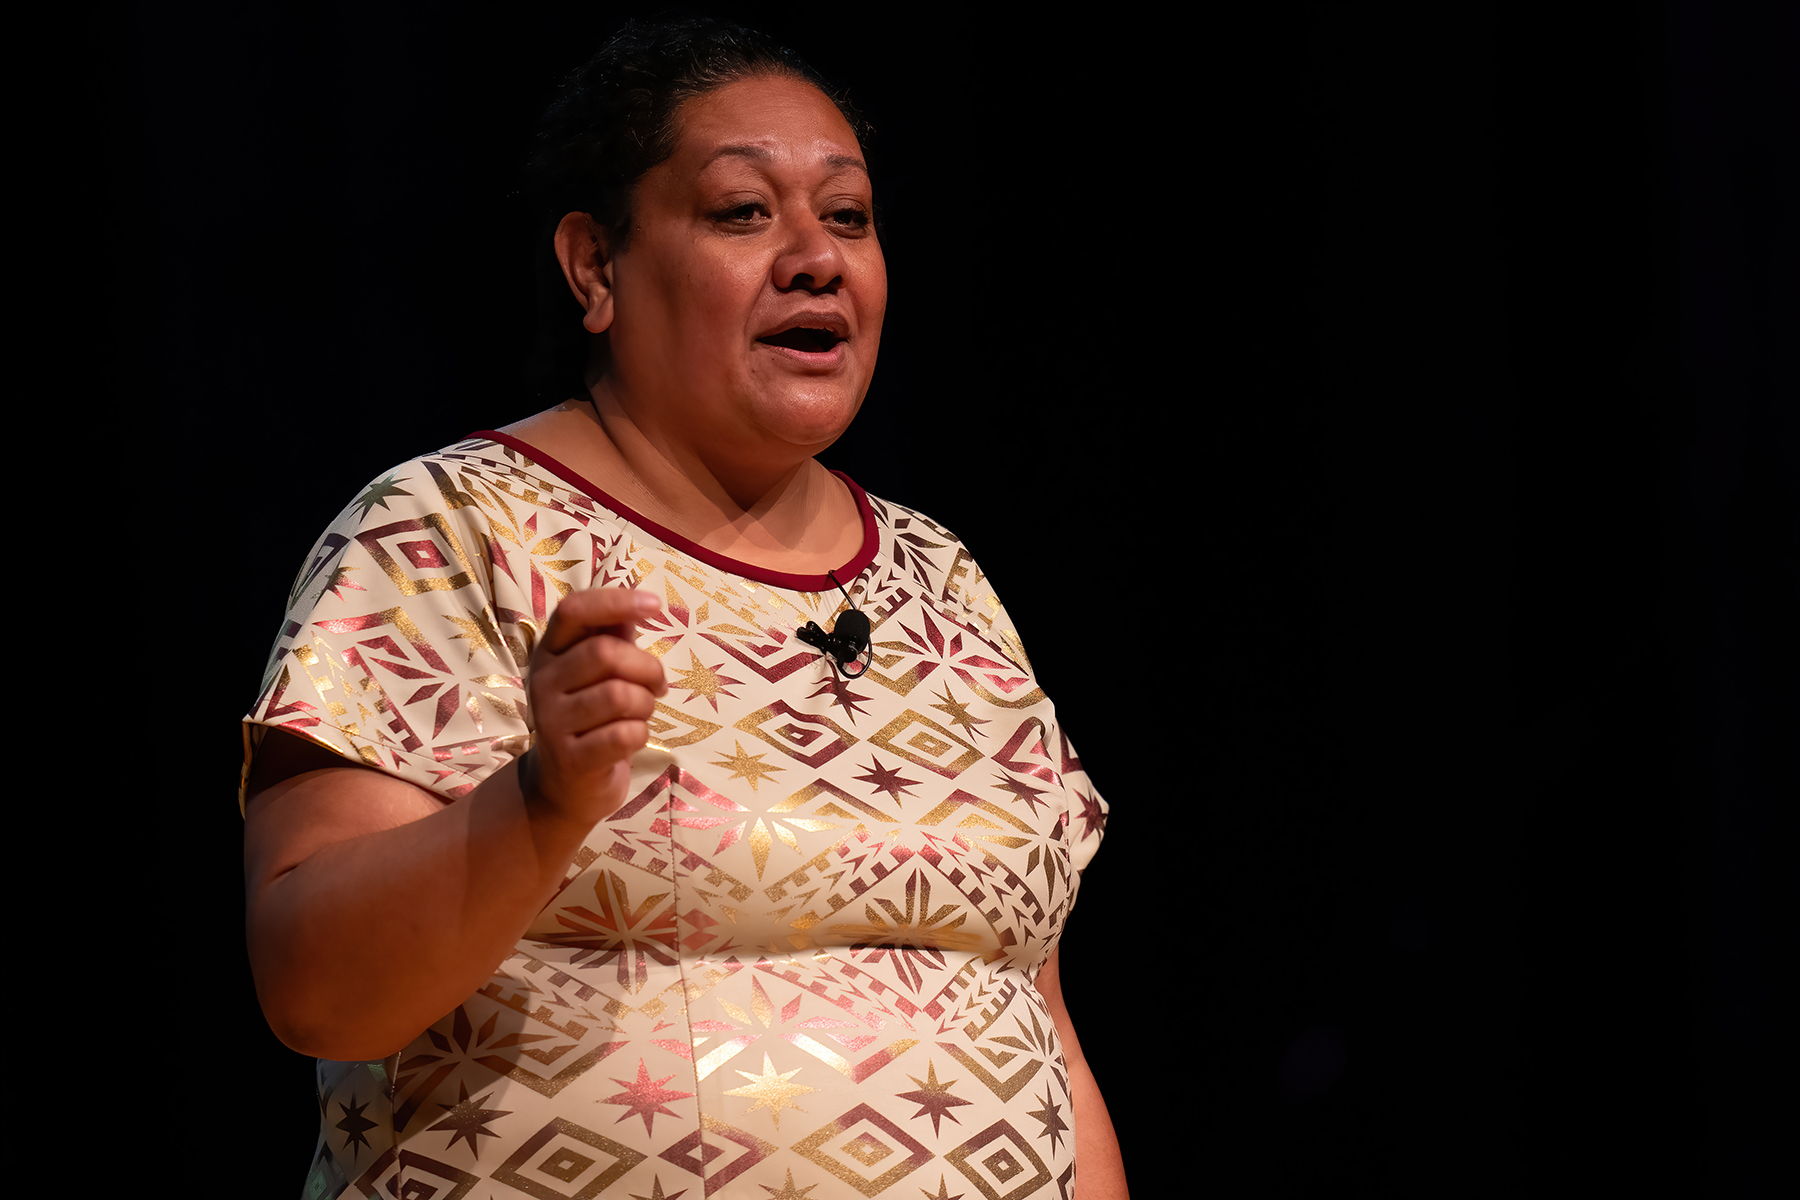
(810, 341)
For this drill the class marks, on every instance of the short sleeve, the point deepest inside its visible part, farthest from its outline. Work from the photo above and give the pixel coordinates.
(409, 627)
(938, 559)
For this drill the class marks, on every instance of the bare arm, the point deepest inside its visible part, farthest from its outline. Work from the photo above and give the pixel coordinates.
(1099, 1170)
(375, 908)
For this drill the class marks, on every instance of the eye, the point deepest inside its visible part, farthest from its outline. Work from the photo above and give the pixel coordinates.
(849, 219)
(740, 214)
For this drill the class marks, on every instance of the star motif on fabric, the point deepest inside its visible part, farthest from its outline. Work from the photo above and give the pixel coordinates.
(1021, 790)
(1091, 815)
(466, 1118)
(880, 779)
(656, 1192)
(479, 630)
(747, 766)
(842, 696)
(705, 682)
(943, 1192)
(340, 579)
(1050, 1116)
(933, 1097)
(771, 1090)
(958, 713)
(788, 1191)
(355, 1124)
(378, 493)
(645, 1098)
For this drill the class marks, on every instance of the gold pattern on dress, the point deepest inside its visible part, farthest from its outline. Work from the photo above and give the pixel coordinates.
(933, 743)
(657, 1193)
(844, 1066)
(719, 1055)
(771, 1090)
(959, 714)
(666, 723)
(704, 682)
(759, 845)
(866, 1149)
(1004, 1087)
(788, 1191)
(747, 766)
(479, 631)
(810, 738)
(848, 1147)
(552, 1151)
(425, 555)
(1015, 648)
(916, 866)
(995, 1167)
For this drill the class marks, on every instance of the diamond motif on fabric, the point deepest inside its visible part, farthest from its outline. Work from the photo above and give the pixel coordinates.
(416, 1177)
(811, 738)
(919, 739)
(992, 1170)
(872, 1140)
(563, 1161)
(698, 1150)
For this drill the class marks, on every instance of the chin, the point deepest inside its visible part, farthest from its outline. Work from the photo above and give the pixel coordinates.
(815, 420)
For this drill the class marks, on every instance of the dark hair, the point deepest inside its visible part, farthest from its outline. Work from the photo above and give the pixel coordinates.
(614, 117)
(612, 120)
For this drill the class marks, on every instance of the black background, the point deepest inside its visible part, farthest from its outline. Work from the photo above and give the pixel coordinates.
(1378, 420)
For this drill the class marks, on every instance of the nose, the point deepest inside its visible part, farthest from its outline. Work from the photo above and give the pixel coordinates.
(811, 258)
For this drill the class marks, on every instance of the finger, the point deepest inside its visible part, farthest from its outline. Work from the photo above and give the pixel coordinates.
(571, 770)
(616, 739)
(583, 614)
(611, 700)
(598, 657)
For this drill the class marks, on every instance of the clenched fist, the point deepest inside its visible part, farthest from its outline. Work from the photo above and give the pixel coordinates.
(592, 692)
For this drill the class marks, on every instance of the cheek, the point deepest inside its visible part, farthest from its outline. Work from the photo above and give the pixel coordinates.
(872, 298)
(716, 303)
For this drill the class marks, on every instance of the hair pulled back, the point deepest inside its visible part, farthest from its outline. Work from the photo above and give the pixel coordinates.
(612, 120)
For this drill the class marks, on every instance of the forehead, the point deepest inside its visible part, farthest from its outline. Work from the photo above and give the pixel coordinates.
(770, 118)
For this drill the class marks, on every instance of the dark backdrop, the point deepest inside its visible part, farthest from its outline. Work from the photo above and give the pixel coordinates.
(1376, 419)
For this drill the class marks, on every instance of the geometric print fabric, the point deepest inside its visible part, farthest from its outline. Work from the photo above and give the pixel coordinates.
(800, 959)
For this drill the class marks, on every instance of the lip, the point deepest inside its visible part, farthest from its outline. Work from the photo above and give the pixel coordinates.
(821, 360)
(811, 318)
(828, 320)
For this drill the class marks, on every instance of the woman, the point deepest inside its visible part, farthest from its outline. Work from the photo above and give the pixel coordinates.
(689, 882)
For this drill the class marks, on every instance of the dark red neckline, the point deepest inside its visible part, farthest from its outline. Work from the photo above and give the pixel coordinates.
(712, 558)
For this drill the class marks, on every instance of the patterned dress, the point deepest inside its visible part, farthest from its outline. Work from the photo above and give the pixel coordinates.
(799, 961)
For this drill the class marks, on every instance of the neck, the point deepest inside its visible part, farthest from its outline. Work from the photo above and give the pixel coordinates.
(715, 486)
(788, 514)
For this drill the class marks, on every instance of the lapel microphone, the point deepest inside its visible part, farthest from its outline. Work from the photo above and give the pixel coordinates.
(848, 640)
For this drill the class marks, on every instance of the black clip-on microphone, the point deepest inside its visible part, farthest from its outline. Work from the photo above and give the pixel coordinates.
(848, 639)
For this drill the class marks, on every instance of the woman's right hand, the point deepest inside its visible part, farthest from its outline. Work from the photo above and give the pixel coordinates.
(592, 692)
(375, 907)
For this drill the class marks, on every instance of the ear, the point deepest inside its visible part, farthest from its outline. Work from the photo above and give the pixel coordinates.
(585, 252)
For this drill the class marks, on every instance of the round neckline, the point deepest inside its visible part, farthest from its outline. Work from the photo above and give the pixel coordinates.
(712, 558)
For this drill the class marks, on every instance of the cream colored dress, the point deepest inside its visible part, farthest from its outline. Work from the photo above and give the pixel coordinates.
(799, 961)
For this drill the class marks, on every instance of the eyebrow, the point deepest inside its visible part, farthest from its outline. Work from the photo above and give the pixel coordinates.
(762, 154)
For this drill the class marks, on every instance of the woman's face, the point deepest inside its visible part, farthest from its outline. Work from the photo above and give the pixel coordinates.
(747, 302)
